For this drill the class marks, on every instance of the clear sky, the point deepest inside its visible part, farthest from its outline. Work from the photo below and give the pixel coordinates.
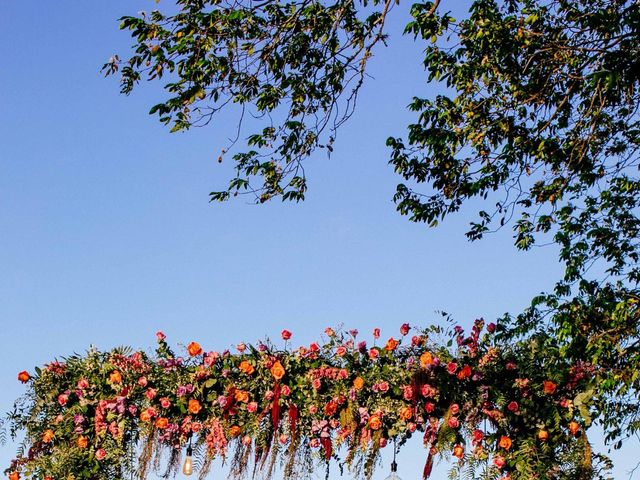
(106, 233)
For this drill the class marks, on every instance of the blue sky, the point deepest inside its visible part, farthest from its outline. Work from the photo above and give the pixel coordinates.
(108, 236)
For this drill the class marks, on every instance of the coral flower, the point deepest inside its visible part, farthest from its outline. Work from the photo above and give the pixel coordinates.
(115, 377)
(549, 387)
(406, 413)
(373, 353)
(286, 334)
(375, 423)
(47, 436)
(277, 370)
(194, 406)
(100, 454)
(235, 430)
(241, 396)
(391, 345)
(24, 377)
(458, 451)
(194, 349)
(358, 383)
(160, 336)
(505, 442)
(82, 442)
(426, 359)
(14, 475)
(162, 423)
(574, 428)
(246, 367)
(330, 332)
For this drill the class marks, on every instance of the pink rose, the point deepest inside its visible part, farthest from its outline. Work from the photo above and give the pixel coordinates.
(101, 453)
(384, 386)
(285, 390)
(330, 332)
(286, 334)
(373, 353)
(252, 407)
(341, 351)
(452, 367)
(63, 398)
(165, 402)
(316, 383)
(455, 408)
(151, 393)
(83, 384)
(313, 409)
(142, 381)
(160, 336)
(454, 422)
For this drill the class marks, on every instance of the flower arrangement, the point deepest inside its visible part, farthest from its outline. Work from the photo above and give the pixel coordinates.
(503, 409)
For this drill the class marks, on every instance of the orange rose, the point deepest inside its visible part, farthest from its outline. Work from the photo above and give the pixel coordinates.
(47, 436)
(194, 349)
(391, 345)
(235, 430)
(549, 387)
(82, 442)
(115, 377)
(194, 406)
(147, 414)
(246, 367)
(465, 372)
(241, 396)
(543, 435)
(14, 475)
(505, 442)
(375, 423)
(162, 423)
(358, 383)
(24, 376)
(574, 428)
(406, 413)
(458, 451)
(426, 359)
(277, 370)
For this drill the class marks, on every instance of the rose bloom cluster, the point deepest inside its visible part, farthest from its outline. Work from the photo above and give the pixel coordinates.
(475, 399)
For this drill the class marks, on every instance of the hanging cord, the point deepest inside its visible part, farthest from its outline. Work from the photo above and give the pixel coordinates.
(394, 465)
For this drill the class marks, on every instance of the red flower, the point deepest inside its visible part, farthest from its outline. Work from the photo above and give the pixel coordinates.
(478, 435)
(160, 336)
(464, 373)
(513, 406)
(286, 334)
(453, 422)
(100, 454)
(452, 367)
(376, 333)
(454, 409)
(549, 387)
(499, 461)
(373, 353)
(404, 329)
(24, 376)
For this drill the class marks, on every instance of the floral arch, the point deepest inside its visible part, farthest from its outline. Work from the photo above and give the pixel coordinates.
(502, 410)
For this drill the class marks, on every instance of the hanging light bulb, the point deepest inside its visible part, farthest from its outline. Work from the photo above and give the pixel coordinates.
(187, 468)
(394, 466)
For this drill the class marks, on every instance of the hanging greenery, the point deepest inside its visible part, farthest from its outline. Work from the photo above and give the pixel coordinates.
(503, 411)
